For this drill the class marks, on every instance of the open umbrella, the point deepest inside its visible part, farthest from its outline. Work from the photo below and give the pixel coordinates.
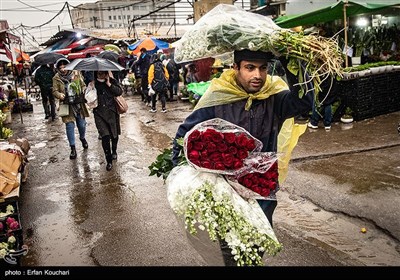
(150, 43)
(94, 64)
(48, 58)
(110, 55)
(20, 57)
(112, 48)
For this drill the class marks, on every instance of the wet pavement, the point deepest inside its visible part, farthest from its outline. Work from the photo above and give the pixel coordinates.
(75, 213)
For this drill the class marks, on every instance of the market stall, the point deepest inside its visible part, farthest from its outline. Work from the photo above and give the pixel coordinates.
(13, 172)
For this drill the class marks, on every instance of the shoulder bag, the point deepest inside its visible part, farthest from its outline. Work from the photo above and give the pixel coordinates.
(121, 104)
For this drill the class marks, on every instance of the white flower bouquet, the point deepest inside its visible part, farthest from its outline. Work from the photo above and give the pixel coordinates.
(206, 201)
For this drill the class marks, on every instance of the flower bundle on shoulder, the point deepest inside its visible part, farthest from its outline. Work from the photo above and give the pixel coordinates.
(219, 146)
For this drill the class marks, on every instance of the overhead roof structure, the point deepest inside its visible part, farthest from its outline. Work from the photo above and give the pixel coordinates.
(333, 12)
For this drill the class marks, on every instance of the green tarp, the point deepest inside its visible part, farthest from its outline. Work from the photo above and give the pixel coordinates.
(330, 13)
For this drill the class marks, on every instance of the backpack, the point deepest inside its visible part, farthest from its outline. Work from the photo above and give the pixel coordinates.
(160, 82)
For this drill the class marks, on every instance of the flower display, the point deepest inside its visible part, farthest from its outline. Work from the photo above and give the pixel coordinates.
(217, 145)
(207, 202)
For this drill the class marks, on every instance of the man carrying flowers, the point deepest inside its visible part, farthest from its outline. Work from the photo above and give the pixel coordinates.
(250, 98)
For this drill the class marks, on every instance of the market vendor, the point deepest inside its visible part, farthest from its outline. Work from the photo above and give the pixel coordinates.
(250, 98)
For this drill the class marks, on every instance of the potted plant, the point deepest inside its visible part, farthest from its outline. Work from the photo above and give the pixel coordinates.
(347, 117)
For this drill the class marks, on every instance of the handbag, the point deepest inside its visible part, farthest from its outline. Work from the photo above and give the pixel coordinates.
(91, 96)
(121, 104)
(63, 110)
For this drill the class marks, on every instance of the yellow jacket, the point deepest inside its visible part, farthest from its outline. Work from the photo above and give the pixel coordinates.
(150, 74)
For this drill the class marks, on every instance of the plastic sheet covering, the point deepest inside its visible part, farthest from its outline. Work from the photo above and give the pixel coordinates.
(182, 184)
(224, 29)
(214, 132)
(287, 139)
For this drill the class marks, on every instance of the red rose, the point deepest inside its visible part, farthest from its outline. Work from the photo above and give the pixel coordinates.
(206, 136)
(204, 154)
(265, 192)
(196, 162)
(222, 147)
(206, 164)
(219, 166)
(255, 180)
(215, 157)
(241, 140)
(272, 185)
(198, 146)
(227, 159)
(189, 146)
(194, 135)
(237, 164)
(193, 155)
(251, 145)
(232, 150)
(264, 183)
(247, 182)
(256, 188)
(242, 154)
(217, 137)
(229, 137)
(211, 147)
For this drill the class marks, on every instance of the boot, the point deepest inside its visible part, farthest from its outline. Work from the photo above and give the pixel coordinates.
(72, 155)
(114, 143)
(109, 161)
(84, 143)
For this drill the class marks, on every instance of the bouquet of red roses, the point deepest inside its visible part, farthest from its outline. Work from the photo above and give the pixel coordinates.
(260, 182)
(219, 146)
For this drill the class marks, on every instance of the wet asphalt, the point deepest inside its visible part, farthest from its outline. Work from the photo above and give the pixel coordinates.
(75, 213)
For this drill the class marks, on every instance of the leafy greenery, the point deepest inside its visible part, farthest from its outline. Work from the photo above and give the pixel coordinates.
(163, 165)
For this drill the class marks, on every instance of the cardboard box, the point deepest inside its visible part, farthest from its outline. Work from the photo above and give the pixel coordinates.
(9, 167)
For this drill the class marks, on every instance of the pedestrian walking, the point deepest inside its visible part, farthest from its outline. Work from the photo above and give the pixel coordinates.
(106, 115)
(143, 63)
(253, 100)
(68, 87)
(158, 79)
(44, 79)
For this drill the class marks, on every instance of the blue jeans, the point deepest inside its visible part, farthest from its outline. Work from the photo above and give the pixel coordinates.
(325, 111)
(70, 127)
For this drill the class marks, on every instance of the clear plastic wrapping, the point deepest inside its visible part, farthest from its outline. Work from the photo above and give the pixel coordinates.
(219, 146)
(224, 29)
(206, 202)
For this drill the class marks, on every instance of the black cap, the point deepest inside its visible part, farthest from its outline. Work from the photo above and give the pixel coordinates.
(251, 55)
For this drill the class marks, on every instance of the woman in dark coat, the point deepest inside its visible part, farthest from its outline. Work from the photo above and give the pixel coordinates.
(106, 115)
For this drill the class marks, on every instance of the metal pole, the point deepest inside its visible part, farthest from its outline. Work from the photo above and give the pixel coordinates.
(345, 33)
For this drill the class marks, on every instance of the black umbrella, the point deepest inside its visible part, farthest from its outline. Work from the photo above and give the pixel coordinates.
(113, 56)
(94, 64)
(48, 58)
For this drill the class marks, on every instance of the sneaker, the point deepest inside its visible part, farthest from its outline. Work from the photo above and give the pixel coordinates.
(327, 127)
(164, 110)
(153, 110)
(310, 125)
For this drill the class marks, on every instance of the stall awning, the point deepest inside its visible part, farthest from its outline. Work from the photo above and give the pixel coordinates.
(331, 13)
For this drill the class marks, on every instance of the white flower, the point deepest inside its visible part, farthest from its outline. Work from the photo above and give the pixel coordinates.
(207, 202)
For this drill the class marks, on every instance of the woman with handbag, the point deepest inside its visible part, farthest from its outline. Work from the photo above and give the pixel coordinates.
(106, 115)
(68, 87)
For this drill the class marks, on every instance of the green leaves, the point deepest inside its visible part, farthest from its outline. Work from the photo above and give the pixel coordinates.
(163, 164)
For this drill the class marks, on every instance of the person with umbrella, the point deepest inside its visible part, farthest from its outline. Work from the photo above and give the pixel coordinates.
(44, 79)
(68, 86)
(106, 115)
